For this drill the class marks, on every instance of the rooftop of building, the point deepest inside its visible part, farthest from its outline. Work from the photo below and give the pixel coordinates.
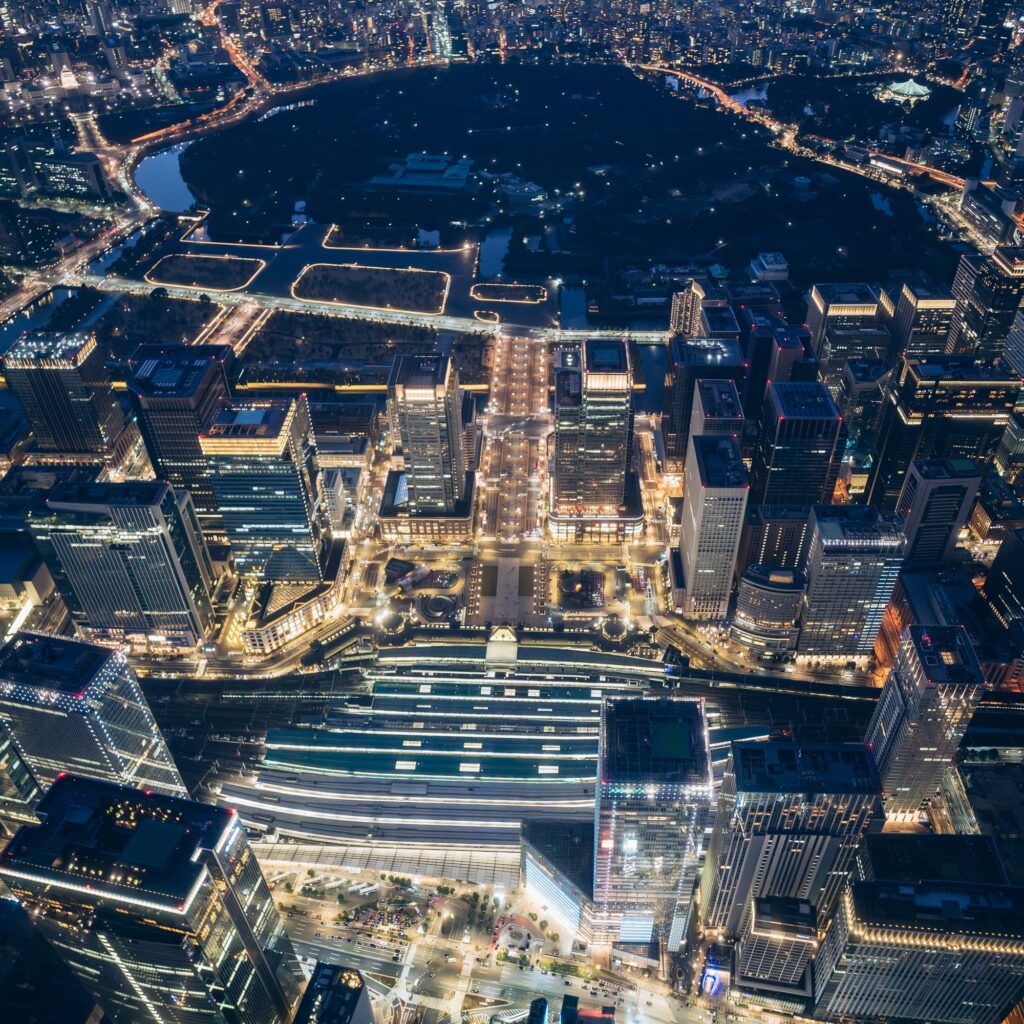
(46, 346)
(941, 907)
(947, 469)
(788, 915)
(769, 577)
(424, 371)
(773, 259)
(790, 336)
(946, 655)
(956, 369)
(760, 514)
(914, 857)
(40, 661)
(847, 294)
(844, 523)
(332, 995)
(124, 843)
(1010, 258)
(252, 419)
(705, 352)
(175, 372)
(395, 499)
(124, 493)
(719, 399)
(605, 355)
(802, 399)
(780, 766)
(654, 740)
(568, 387)
(720, 320)
(929, 295)
(866, 372)
(720, 462)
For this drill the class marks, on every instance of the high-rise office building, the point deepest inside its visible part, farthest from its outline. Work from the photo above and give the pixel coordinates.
(860, 397)
(19, 790)
(77, 707)
(924, 315)
(853, 562)
(425, 408)
(693, 359)
(936, 501)
(130, 562)
(768, 605)
(593, 429)
(61, 383)
(988, 292)
(775, 536)
(716, 410)
(940, 407)
(800, 447)
(176, 391)
(336, 994)
(788, 823)
(922, 714)
(935, 950)
(653, 800)
(1009, 457)
(714, 503)
(157, 904)
(1004, 583)
(687, 305)
(262, 469)
(849, 306)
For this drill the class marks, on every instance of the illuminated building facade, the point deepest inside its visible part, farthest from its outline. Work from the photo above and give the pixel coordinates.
(789, 820)
(65, 391)
(800, 447)
(653, 801)
(176, 392)
(853, 563)
(262, 470)
(75, 707)
(714, 504)
(157, 904)
(922, 714)
(129, 561)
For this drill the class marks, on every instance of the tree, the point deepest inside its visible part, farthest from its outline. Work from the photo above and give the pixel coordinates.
(543, 925)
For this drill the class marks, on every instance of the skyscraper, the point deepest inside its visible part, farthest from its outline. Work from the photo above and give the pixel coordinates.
(262, 470)
(937, 499)
(1004, 584)
(693, 359)
(926, 705)
(988, 292)
(1009, 457)
(788, 822)
(715, 500)
(840, 306)
(176, 391)
(653, 799)
(129, 561)
(66, 393)
(425, 407)
(716, 410)
(923, 319)
(939, 407)
(853, 563)
(800, 447)
(76, 707)
(157, 905)
(593, 429)
(951, 952)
